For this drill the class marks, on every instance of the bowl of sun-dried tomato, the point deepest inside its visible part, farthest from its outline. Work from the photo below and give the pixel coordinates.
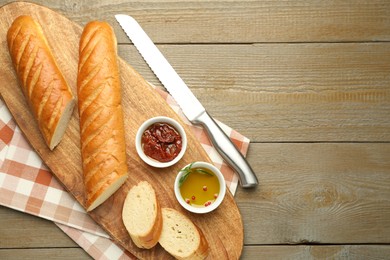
(161, 141)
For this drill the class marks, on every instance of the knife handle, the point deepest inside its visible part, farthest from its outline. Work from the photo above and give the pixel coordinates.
(228, 150)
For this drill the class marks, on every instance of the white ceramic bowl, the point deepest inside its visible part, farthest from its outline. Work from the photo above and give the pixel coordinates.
(144, 126)
(216, 203)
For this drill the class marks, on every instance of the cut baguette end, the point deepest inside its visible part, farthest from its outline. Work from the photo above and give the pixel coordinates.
(41, 85)
(181, 237)
(142, 215)
(107, 192)
(62, 124)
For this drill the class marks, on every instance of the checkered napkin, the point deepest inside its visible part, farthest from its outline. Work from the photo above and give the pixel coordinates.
(27, 185)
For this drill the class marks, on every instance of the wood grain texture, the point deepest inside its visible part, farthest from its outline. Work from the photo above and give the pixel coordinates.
(288, 92)
(18, 228)
(48, 241)
(276, 71)
(363, 252)
(242, 21)
(360, 252)
(139, 104)
(318, 193)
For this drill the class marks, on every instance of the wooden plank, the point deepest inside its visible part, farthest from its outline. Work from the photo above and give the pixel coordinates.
(366, 252)
(19, 229)
(242, 21)
(318, 193)
(45, 253)
(308, 193)
(287, 92)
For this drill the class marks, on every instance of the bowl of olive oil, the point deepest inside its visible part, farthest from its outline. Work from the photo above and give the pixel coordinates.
(200, 187)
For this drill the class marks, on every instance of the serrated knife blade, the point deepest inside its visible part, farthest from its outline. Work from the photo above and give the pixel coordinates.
(189, 104)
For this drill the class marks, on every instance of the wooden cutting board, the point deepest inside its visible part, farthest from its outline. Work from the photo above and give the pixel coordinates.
(223, 228)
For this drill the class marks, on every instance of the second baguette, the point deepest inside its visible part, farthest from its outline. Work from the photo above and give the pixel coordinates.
(103, 148)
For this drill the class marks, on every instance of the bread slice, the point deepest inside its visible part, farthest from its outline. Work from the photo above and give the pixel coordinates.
(181, 237)
(141, 215)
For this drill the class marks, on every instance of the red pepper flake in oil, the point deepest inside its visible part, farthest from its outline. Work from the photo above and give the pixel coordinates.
(200, 188)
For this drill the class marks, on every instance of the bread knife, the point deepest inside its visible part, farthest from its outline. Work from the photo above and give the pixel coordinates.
(189, 104)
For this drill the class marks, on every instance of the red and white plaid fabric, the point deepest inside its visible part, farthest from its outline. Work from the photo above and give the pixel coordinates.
(28, 186)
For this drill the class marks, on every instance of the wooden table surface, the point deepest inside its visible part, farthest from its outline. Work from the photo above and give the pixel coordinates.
(307, 81)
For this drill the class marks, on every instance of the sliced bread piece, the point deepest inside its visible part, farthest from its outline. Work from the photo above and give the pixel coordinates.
(141, 215)
(181, 237)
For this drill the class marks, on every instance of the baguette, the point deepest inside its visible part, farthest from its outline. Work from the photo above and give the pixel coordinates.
(181, 237)
(141, 215)
(103, 148)
(44, 87)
